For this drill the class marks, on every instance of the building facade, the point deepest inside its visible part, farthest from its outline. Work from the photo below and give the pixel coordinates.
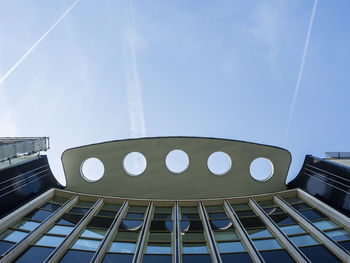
(188, 210)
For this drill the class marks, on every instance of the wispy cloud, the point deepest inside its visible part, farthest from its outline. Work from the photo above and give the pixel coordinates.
(301, 70)
(133, 87)
(38, 42)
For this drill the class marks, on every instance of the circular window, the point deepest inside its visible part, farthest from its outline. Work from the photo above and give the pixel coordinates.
(134, 163)
(261, 169)
(92, 169)
(177, 161)
(219, 163)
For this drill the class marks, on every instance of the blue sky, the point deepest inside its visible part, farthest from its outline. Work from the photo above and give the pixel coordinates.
(119, 69)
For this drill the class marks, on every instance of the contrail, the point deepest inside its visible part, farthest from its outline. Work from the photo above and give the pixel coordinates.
(133, 89)
(300, 74)
(38, 42)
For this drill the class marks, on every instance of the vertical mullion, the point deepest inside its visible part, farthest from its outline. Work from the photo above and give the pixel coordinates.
(214, 251)
(141, 242)
(102, 249)
(59, 251)
(248, 243)
(25, 209)
(176, 235)
(293, 250)
(21, 246)
(320, 235)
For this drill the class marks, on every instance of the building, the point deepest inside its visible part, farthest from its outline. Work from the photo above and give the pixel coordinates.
(189, 209)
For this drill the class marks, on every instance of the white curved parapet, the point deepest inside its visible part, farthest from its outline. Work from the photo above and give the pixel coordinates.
(155, 181)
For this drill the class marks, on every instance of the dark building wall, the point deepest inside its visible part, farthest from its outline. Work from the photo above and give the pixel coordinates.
(327, 181)
(22, 183)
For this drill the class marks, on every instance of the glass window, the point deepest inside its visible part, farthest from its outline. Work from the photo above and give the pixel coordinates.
(38, 215)
(78, 210)
(301, 206)
(190, 216)
(85, 204)
(245, 213)
(304, 240)
(325, 224)
(111, 207)
(59, 200)
(158, 248)
(61, 230)
(221, 224)
(282, 219)
(162, 216)
(267, 244)
(163, 210)
(193, 237)
(137, 209)
(266, 203)
(292, 229)
(156, 236)
(259, 233)
(195, 248)
(13, 235)
(134, 216)
(70, 219)
(215, 209)
(161, 225)
(252, 222)
(217, 215)
(293, 200)
(273, 210)
(86, 244)
(50, 241)
(100, 222)
(225, 235)
(189, 210)
(107, 213)
(94, 232)
(126, 236)
(50, 206)
(132, 224)
(227, 247)
(240, 207)
(312, 214)
(339, 235)
(122, 247)
(26, 225)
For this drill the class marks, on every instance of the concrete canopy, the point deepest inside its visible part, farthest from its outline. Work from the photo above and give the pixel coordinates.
(157, 182)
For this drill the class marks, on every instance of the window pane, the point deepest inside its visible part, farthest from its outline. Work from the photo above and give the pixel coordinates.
(132, 224)
(107, 213)
(220, 224)
(111, 207)
(225, 235)
(240, 207)
(282, 219)
(326, 224)
(13, 235)
(160, 248)
(70, 219)
(134, 216)
(193, 237)
(154, 236)
(215, 209)
(293, 200)
(39, 215)
(266, 244)
(59, 200)
(226, 247)
(50, 241)
(312, 214)
(139, 209)
(195, 248)
(60, 230)
(50, 206)
(189, 210)
(190, 216)
(101, 222)
(78, 210)
(217, 215)
(26, 225)
(163, 210)
(301, 206)
(245, 213)
(94, 233)
(86, 244)
(85, 204)
(304, 240)
(339, 235)
(259, 233)
(162, 216)
(126, 236)
(267, 203)
(292, 229)
(122, 247)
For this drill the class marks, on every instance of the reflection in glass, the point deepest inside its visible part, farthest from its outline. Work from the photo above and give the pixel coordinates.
(304, 240)
(13, 235)
(50, 241)
(195, 248)
(227, 247)
(86, 244)
(122, 247)
(132, 224)
(339, 235)
(259, 233)
(292, 229)
(221, 224)
(26, 225)
(94, 233)
(325, 224)
(267, 244)
(225, 235)
(158, 248)
(60, 230)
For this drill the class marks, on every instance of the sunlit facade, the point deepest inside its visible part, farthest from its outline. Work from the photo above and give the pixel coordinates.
(156, 212)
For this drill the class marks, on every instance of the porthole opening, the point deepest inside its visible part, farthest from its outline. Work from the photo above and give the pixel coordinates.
(92, 169)
(134, 163)
(177, 161)
(261, 169)
(219, 163)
